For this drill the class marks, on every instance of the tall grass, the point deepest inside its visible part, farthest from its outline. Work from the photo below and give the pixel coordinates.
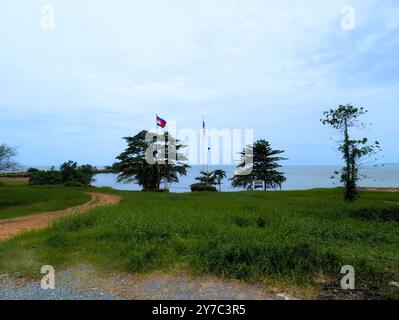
(295, 236)
(21, 200)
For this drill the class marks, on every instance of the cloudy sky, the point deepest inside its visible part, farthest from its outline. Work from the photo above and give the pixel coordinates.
(107, 67)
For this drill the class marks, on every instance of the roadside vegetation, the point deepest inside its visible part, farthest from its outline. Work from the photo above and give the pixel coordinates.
(287, 237)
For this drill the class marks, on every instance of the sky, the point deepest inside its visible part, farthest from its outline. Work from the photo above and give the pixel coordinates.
(76, 76)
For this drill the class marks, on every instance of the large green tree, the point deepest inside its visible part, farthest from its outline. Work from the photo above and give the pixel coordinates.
(344, 118)
(265, 164)
(7, 156)
(152, 161)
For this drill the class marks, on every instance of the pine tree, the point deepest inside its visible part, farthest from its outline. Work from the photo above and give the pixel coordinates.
(264, 166)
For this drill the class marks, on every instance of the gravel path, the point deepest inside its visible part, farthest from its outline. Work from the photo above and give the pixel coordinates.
(10, 290)
(82, 283)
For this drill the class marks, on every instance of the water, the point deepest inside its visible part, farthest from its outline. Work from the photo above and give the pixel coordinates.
(298, 178)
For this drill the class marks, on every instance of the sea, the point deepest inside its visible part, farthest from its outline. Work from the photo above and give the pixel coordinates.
(298, 178)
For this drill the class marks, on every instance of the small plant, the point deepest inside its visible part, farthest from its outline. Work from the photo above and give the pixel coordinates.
(261, 222)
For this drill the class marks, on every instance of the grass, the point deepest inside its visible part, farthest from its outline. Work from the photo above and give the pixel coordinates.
(18, 200)
(290, 237)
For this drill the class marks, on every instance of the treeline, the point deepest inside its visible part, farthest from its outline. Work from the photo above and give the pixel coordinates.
(132, 165)
(166, 169)
(69, 174)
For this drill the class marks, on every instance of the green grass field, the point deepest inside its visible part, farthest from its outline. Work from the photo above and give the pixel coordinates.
(18, 200)
(287, 237)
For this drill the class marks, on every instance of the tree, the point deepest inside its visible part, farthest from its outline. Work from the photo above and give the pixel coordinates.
(353, 150)
(69, 171)
(212, 178)
(206, 178)
(165, 165)
(7, 155)
(265, 164)
(86, 174)
(218, 176)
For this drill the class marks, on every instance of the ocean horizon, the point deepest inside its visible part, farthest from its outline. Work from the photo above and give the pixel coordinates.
(298, 178)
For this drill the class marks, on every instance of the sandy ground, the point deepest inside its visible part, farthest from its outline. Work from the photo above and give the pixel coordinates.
(12, 227)
(378, 189)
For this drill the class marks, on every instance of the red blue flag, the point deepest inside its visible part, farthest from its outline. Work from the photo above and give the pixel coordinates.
(161, 122)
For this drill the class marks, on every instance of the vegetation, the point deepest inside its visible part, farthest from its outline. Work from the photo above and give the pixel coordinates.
(287, 237)
(353, 150)
(114, 168)
(70, 174)
(264, 166)
(390, 213)
(151, 159)
(212, 178)
(200, 187)
(7, 155)
(20, 200)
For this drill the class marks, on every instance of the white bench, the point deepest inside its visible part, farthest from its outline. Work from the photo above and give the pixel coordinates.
(258, 184)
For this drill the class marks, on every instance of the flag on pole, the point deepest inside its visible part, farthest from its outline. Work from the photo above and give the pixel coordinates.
(161, 122)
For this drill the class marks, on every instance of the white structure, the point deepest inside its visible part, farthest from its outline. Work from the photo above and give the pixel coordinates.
(258, 184)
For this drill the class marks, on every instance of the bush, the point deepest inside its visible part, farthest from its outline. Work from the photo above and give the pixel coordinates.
(202, 187)
(390, 213)
(70, 174)
(155, 190)
(45, 177)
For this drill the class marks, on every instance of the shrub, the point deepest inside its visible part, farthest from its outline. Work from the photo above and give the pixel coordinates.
(261, 222)
(45, 177)
(202, 187)
(69, 174)
(156, 190)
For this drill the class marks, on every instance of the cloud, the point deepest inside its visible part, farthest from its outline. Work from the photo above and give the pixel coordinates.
(236, 61)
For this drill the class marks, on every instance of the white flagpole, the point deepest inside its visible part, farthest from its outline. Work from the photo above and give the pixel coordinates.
(203, 143)
(156, 124)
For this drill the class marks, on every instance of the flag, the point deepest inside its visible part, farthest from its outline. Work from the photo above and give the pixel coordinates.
(161, 122)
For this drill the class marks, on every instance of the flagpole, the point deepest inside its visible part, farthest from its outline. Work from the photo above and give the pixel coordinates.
(166, 156)
(158, 173)
(203, 143)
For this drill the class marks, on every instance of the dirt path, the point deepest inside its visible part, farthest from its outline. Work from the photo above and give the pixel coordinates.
(11, 227)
